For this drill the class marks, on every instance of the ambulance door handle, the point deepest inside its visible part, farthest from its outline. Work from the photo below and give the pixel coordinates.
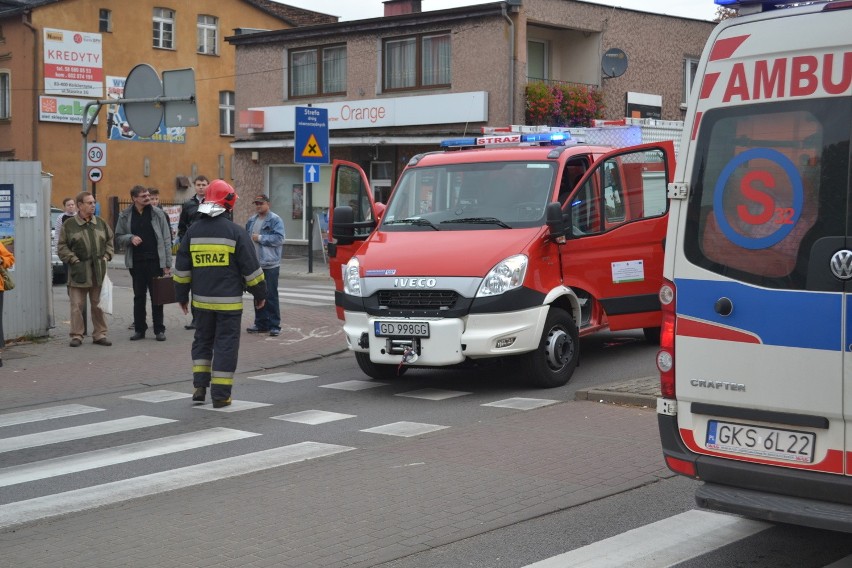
(723, 306)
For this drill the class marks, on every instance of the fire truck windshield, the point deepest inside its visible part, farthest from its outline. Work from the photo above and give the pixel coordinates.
(460, 196)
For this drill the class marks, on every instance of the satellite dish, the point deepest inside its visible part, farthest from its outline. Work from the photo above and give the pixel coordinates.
(143, 82)
(614, 63)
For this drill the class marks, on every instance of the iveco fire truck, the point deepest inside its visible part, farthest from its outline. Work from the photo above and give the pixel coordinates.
(505, 245)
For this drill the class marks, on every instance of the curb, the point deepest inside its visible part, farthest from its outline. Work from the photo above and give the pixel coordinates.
(634, 392)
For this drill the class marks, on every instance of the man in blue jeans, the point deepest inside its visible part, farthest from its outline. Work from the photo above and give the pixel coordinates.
(266, 230)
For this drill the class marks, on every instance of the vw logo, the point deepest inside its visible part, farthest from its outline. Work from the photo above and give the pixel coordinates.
(841, 264)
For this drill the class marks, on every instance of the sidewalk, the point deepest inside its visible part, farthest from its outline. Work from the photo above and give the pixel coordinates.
(38, 372)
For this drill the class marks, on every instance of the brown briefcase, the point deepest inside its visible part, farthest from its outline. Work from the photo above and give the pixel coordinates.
(163, 291)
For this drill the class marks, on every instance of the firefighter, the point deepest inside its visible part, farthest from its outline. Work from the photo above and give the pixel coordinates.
(217, 262)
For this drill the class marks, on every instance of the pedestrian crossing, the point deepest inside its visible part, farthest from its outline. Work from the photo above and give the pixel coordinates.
(27, 436)
(311, 295)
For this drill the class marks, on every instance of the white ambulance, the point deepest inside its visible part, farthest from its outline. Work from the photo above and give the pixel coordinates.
(756, 344)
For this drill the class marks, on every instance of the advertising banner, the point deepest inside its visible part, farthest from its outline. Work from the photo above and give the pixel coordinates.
(63, 109)
(73, 63)
(119, 128)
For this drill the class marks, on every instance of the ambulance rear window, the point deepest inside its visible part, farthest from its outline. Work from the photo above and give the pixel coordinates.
(771, 180)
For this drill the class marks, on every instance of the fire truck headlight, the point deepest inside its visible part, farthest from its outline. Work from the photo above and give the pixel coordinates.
(507, 275)
(352, 277)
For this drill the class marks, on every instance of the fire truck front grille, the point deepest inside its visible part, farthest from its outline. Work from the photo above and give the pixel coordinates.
(418, 299)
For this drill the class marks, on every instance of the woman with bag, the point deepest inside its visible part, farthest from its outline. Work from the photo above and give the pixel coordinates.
(7, 260)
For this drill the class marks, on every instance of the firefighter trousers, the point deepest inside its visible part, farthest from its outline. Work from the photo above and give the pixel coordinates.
(214, 351)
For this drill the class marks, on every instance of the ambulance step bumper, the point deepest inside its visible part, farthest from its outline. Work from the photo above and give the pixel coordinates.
(775, 508)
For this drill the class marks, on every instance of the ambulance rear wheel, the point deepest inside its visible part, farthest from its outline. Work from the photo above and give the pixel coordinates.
(553, 363)
(378, 370)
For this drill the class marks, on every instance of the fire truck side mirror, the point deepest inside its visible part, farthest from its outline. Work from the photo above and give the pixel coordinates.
(559, 224)
(342, 225)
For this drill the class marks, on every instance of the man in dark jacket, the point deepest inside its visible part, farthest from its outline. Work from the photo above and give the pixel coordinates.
(216, 261)
(144, 231)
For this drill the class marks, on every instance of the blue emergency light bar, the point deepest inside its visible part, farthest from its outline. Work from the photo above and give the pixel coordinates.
(510, 138)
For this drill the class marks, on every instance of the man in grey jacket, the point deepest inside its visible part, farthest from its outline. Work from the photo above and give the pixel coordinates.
(145, 234)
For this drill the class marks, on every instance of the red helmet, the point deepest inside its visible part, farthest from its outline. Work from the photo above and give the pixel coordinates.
(219, 197)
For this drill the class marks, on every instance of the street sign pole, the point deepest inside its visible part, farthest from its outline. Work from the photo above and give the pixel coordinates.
(310, 146)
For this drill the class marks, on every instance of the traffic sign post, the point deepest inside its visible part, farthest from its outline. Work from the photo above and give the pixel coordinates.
(144, 100)
(310, 146)
(95, 154)
(310, 143)
(311, 173)
(96, 175)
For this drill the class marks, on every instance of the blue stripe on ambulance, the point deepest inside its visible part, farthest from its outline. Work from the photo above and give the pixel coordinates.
(809, 320)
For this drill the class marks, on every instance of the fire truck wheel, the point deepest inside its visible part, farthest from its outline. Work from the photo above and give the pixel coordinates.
(377, 370)
(652, 334)
(553, 363)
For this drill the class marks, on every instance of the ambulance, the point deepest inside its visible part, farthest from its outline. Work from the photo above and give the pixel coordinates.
(507, 246)
(755, 354)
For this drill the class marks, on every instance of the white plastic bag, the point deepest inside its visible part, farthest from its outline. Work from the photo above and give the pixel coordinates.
(106, 295)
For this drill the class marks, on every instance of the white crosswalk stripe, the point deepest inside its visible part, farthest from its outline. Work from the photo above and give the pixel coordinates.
(145, 485)
(310, 295)
(664, 543)
(25, 416)
(43, 500)
(79, 432)
(120, 454)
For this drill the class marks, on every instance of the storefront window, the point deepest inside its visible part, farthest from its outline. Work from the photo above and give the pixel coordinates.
(288, 198)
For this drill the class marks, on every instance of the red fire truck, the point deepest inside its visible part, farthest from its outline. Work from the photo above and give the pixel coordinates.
(506, 245)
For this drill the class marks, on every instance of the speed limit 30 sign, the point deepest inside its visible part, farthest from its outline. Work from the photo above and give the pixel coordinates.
(96, 154)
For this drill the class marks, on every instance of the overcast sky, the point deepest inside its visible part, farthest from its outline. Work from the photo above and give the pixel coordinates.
(362, 9)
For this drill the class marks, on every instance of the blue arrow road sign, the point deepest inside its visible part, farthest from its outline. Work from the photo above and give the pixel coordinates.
(311, 173)
(310, 142)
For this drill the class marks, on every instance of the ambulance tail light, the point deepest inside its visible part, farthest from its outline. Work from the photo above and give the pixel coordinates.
(683, 467)
(665, 356)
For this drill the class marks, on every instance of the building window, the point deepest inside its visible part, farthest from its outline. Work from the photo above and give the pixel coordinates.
(208, 35)
(415, 62)
(690, 69)
(5, 95)
(104, 20)
(164, 28)
(226, 113)
(308, 78)
(537, 61)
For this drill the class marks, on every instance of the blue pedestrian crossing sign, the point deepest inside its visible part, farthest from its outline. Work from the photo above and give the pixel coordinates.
(310, 141)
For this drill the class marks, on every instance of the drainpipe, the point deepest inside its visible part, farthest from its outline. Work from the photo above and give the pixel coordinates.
(35, 83)
(511, 66)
